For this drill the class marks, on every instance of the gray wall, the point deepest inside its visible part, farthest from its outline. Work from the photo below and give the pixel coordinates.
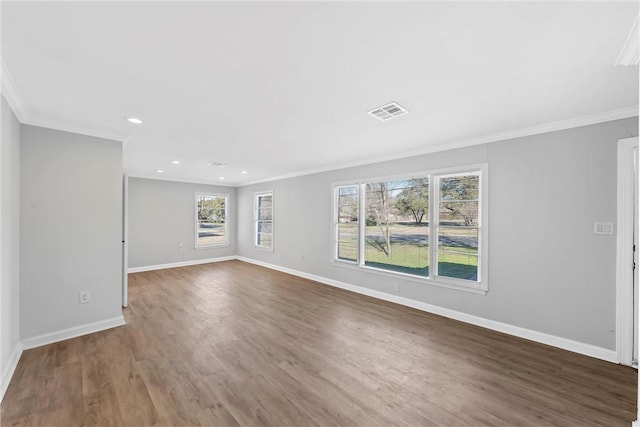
(10, 235)
(161, 217)
(71, 230)
(547, 271)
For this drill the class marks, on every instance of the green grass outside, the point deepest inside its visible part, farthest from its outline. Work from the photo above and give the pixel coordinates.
(348, 251)
(460, 264)
(413, 258)
(458, 271)
(403, 254)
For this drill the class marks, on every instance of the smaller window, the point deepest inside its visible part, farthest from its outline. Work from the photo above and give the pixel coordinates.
(211, 220)
(458, 226)
(346, 222)
(263, 218)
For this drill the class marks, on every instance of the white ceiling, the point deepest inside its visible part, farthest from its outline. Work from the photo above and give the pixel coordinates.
(279, 89)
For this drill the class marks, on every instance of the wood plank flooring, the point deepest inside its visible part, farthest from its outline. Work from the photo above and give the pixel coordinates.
(230, 344)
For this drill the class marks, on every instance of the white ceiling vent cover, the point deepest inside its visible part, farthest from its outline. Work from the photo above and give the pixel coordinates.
(217, 165)
(388, 111)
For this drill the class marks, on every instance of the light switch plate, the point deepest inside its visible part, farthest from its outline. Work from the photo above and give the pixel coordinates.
(605, 228)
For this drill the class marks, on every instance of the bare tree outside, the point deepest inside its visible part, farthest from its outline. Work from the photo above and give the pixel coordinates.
(458, 198)
(414, 199)
(397, 230)
(458, 226)
(379, 206)
(396, 235)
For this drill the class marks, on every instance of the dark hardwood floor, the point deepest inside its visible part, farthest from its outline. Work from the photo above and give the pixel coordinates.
(231, 343)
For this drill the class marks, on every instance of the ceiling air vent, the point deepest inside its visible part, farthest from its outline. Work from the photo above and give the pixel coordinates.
(388, 111)
(217, 165)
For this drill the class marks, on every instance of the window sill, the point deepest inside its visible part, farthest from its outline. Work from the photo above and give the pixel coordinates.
(476, 288)
(262, 248)
(204, 248)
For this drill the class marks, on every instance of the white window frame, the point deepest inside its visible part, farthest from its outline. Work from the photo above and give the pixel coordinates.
(226, 223)
(256, 197)
(336, 223)
(479, 287)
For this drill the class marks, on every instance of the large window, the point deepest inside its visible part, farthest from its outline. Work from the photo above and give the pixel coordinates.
(396, 232)
(263, 219)
(211, 220)
(426, 226)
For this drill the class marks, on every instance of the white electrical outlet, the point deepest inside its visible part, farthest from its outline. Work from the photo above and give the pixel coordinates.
(85, 297)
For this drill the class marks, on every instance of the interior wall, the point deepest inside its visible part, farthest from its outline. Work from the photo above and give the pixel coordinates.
(548, 272)
(71, 230)
(10, 238)
(162, 218)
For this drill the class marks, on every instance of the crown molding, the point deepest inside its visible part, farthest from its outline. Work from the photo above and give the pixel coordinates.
(628, 56)
(13, 96)
(576, 122)
(630, 53)
(19, 106)
(146, 175)
(52, 124)
(591, 119)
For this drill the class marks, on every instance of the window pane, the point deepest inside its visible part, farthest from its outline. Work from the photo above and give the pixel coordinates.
(397, 229)
(459, 213)
(348, 241)
(348, 204)
(265, 227)
(459, 200)
(458, 226)
(458, 239)
(211, 220)
(264, 239)
(265, 214)
(458, 267)
(265, 201)
(263, 236)
(347, 226)
(459, 187)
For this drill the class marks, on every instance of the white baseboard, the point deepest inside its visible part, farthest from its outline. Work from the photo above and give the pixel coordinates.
(541, 337)
(74, 332)
(552, 340)
(10, 370)
(179, 264)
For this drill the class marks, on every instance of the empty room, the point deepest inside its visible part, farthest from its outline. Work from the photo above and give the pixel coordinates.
(319, 213)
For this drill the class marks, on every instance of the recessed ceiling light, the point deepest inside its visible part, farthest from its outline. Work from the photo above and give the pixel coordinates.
(222, 177)
(134, 120)
(244, 172)
(159, 171)
(175, 162)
